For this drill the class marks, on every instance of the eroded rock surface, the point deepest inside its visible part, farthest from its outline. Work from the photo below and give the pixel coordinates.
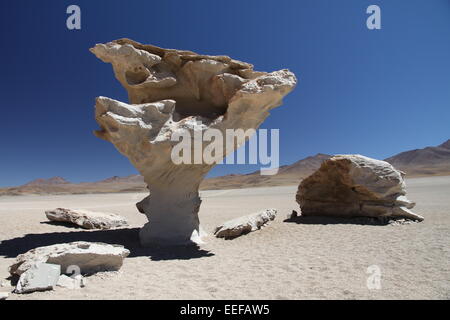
(39, 277)
(89, 257)
(355, 186)
(172, 92)
(243, 225)
(86, 219)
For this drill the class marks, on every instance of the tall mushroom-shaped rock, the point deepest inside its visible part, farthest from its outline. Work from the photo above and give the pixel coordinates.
(355, 186)
(174, 92)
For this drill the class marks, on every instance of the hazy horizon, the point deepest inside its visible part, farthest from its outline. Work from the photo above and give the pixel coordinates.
(209, 176)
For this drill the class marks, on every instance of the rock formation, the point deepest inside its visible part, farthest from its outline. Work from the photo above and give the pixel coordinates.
(86, 219)
(171, 92)
(243, 225)
(355, 186)
(90, 257)
(39, 277)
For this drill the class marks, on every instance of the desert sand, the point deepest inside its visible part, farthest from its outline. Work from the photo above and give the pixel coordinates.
(304, 259)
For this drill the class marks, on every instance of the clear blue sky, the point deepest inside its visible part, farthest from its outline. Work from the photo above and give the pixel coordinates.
(375, 92)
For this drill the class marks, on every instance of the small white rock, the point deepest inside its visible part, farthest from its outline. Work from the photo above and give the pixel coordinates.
(76, 282)
(80, 280)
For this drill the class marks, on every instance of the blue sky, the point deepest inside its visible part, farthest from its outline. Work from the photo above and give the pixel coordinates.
(374, 92)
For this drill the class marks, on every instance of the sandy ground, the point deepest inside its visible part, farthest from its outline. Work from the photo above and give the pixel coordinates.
(286, 260)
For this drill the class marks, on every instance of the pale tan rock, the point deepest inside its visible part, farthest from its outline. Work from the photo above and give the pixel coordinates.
(355, 185)
(86, 219)
(172, 91)
(88, 257)
(243, 225)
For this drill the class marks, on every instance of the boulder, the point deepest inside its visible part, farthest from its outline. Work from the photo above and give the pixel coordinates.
(86, 219)
(86, 257)
(355, 186)
(39, 277)
(179, 94)
(243, 225)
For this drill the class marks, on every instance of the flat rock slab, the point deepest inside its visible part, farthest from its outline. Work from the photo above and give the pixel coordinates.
(85, 257)
(243, 225)
(39, 277)
(86, 219)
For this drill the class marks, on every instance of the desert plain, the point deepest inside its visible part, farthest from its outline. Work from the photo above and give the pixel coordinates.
(296, 259)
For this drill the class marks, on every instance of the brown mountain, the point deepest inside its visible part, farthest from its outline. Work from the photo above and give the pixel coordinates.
(53, 185)
(287, 175)
(134, 178)
(50, 181)
(57, 185)
(424, 162)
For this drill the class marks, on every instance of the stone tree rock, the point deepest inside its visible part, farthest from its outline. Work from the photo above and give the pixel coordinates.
(86, 219)
(354, 185)
(176, 92)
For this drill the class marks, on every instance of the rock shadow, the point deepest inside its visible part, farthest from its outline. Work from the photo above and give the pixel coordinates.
(63, 224)
(325, 220)
(128, 237)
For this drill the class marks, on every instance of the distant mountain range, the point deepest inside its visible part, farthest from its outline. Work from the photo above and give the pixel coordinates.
(58, 185)
(287, 175)
(46, 182)
(429, 161)
(424, 162)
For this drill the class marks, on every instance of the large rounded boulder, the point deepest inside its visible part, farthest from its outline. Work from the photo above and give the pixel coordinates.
(355, 186)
